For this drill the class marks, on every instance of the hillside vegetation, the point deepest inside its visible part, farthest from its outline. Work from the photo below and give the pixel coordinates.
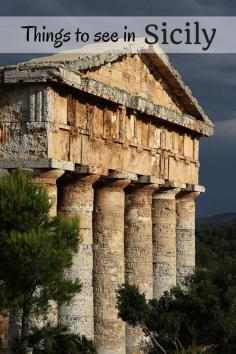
(216, 220)
(199, 317)
(215, 240)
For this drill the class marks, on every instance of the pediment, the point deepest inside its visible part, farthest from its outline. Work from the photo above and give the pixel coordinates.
(149, 75)
(135, 74)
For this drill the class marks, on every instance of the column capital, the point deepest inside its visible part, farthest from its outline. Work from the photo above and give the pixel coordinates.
(112, 183)
(78, 178)
(142, 188)
(47, 176)
(39, 173)
(122, 175)
(48, 179)
(187, 196)
(169, 193)
(88, 178)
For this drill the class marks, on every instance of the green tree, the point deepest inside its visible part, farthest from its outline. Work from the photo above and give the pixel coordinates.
(200, 317)
(58, 340)
(214, 245)
(34, 252)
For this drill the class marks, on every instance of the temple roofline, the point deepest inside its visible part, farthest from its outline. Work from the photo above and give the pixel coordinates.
(57, 73)
(93, 56)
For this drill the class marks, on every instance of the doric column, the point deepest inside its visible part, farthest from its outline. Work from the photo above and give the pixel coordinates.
(108, 265)
(48, 179)
(164, 241)
(76, 199)
(138, 250)
(14, 330)
(4, 326)
(185, 234)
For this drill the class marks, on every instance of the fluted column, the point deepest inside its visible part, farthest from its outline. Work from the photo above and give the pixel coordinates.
(48, 179)
(76, 199)
(14, 331)
(164, 241)
(138, 250)
(185, 234)
(109, 265)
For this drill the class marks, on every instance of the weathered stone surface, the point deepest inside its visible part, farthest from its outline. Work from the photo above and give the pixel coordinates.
(164, 240)
(137, 70)
(109, 265)
(185, 235)
(4, 322)
(138, 250)
(128, 118)
(76, 199)
(158, 60)
(144, 129)
(14, 328)
(24, 122)
(39, 164)
(113, 94)
(48, 178)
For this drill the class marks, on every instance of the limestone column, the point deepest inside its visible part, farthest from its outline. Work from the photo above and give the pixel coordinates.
(14, 329)
(138, 250)
(109, 265)
(164, 241)
(76, 199)
(185, 234)
(48, 179)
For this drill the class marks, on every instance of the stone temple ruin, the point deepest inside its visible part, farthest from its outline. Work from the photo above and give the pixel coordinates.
(115, 139)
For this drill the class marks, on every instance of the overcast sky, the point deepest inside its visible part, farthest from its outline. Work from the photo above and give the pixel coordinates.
(212, 78)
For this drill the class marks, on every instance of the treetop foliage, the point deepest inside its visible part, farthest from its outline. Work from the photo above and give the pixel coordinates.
(35, 251)
(59, 340)
(24, 205)
(199, 317)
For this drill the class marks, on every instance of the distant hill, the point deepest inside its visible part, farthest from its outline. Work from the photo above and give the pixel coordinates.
(216, 220)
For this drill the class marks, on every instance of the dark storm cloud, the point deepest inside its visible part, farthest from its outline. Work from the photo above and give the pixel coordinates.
(212, 79)
(218, 161)
(119, 7)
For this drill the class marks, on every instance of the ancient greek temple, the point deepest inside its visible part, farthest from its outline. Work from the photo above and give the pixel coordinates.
(114, 138)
